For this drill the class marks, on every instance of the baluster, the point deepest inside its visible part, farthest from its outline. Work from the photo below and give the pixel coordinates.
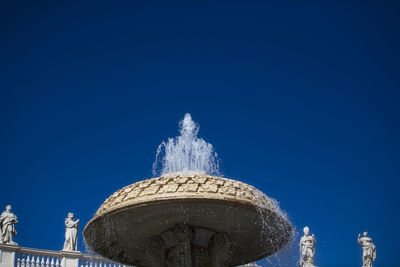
(28, 260)
(52, 262)
(57, 262)
(48, 261)
(37, 261)
(19, 260)
(23, 260)
(42, 262)
(33, 260)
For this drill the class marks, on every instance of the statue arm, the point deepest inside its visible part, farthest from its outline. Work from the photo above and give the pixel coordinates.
(71, 223)
(301, 246)
(374, 253)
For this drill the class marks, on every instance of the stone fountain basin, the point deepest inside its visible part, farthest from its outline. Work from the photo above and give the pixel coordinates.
(127, 220)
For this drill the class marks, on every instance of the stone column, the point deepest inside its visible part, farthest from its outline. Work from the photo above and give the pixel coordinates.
(7, 255)
(70, 258)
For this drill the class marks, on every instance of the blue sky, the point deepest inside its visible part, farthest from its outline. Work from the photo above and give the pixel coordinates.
(299, 100)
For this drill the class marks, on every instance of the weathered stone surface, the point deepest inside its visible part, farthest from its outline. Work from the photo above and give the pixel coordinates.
(191, 185)
(127, 222)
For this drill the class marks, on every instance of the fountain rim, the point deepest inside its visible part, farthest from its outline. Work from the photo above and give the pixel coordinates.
(126, 200)
(242, 192)
(127, 206)
(241, 204)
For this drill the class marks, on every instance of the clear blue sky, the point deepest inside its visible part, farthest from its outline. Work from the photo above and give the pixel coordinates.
(299, 100)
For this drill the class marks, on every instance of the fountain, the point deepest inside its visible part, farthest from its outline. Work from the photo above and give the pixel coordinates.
(187, 216)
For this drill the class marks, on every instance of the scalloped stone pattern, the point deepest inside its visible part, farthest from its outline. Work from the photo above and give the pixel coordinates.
(185, 185)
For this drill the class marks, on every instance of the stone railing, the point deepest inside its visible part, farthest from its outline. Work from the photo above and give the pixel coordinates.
(15, 256)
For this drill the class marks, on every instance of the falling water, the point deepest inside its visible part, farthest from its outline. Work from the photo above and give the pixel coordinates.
(186, 152)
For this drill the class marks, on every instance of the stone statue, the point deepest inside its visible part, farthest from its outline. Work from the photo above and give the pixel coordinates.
(7, 222)
(71, 232)
(307, 249)
(369, 250)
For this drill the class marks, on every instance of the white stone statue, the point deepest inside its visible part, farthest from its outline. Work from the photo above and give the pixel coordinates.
(369, 250)
(307, 249)
(71, 232)
(7, 222)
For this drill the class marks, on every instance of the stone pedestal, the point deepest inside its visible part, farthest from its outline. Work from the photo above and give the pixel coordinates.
(70, 258)
(7, 255)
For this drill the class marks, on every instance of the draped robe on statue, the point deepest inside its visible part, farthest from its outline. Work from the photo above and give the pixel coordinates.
(307, 251)
(7, 221)
(71, 233)
(369, 251)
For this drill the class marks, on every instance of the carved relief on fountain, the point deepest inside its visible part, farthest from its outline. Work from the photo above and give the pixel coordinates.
(193, 185)
(186, 246)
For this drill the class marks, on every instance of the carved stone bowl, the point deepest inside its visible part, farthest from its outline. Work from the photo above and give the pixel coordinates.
(205, 220)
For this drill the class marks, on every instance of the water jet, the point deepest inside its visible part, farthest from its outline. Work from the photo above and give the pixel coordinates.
(187, 217)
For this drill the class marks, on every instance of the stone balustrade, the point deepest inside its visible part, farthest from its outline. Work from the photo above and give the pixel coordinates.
(27, 257)
(15, 256)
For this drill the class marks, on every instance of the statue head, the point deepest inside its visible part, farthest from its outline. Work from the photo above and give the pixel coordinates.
(8, 207)
(365, 233)
(306, 230)
(70, 215)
